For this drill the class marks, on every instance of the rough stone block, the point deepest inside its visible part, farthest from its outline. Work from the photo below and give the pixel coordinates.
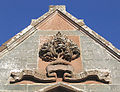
(32, 88)
(13, 87)
(97, 88)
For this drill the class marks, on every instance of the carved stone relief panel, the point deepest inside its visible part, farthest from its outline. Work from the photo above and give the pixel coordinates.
(60, 60)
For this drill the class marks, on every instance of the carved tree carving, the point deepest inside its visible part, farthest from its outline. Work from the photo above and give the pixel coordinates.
(62, 51)
(59, 47)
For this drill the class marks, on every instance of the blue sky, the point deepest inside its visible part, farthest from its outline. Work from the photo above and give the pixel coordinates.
(103, 16)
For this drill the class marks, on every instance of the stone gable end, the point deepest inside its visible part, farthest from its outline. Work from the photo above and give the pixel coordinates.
(85, 73)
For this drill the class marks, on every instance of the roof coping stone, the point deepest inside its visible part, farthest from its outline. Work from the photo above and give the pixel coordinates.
(57, 7)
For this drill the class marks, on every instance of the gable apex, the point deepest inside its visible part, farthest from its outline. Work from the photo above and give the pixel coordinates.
(17, 39)
(56, 22)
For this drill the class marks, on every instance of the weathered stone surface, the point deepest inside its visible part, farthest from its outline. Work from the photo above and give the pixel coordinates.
(97, 88)
(94, 56)
(33, 88)
(84, 87)
(59, 7)
(89, 62)
(22, 53)
(10, 88)
(24, 56)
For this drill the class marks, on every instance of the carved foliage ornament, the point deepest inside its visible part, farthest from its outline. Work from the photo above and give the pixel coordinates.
(59, 47)
(59, 52)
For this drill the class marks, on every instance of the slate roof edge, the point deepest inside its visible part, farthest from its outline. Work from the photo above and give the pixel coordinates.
(79, 23)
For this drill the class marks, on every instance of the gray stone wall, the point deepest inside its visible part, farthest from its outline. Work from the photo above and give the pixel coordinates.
(25, 55)
(36, 87)
(94, 56)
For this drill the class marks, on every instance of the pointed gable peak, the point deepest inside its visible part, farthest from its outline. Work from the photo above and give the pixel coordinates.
(58, 12)
(55, 9)
(56, 22)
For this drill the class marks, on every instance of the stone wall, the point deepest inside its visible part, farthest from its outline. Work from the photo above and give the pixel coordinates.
(25, 56)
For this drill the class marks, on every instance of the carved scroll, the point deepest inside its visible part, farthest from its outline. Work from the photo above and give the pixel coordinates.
(96, 75)
(59, 67)
(28, 74)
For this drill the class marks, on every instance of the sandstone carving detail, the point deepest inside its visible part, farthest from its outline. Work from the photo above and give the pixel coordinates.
(59, 47)
(96, 74)
(30, 75)
(60, 68)
(103, 76)
(58, 53)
